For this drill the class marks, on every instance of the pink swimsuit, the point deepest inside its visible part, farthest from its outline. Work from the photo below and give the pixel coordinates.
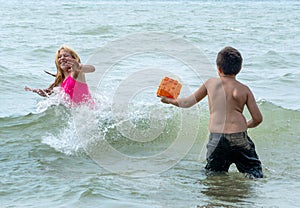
(78, 91)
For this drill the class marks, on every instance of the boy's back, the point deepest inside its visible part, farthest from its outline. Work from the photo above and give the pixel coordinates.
(227, 98)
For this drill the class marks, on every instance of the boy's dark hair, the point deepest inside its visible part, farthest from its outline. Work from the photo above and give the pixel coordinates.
(230, 61)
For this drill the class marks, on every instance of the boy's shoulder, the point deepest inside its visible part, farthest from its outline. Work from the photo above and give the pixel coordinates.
(242, 85)
(217, 81)
(212, 81)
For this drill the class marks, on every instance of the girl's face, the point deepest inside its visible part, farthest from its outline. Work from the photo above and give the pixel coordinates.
(62, 61)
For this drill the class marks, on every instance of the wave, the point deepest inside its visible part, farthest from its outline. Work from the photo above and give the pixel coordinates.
(48, 110)
(147, 129)
(34, 118)
(100, 30)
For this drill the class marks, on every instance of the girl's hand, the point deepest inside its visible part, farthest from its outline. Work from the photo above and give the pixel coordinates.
(77, 67)
(43, 93)
(27, 88)
(73, 64)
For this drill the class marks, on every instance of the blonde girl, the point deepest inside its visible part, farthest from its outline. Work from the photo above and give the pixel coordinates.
(70, 76)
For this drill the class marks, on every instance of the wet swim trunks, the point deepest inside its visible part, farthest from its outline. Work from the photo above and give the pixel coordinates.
(237, 148)
(78, 91)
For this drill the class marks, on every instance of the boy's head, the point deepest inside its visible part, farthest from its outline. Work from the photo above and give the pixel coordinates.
(229, 60)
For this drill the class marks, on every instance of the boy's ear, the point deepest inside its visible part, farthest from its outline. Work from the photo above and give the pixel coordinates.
(220, 71)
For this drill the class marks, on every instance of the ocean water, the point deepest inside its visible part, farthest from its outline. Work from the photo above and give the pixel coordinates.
(131, 150)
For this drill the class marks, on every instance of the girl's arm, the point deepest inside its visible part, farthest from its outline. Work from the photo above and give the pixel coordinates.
(41, 92)
(86, 68)
(79, 72)
(78, 67)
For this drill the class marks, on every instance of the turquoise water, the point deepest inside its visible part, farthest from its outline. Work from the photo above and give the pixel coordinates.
(48, 155)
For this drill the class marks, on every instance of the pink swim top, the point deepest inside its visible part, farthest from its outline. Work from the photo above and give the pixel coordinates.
(78, 91)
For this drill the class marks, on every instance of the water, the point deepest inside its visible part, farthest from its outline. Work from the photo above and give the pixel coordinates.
(47, 150)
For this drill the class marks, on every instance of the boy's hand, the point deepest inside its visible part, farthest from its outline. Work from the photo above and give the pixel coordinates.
(165, 100)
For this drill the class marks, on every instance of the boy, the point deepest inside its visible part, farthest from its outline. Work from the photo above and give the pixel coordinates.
(227, 97)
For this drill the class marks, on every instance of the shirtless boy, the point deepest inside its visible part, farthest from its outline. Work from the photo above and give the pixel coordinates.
(227, 97)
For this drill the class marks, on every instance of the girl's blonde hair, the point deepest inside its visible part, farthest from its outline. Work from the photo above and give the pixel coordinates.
(59, 77)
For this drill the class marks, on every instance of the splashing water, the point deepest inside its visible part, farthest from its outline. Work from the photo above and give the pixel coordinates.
(85, 127)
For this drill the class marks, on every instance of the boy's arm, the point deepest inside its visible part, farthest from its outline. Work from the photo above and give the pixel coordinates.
(188, 101)
(256, 116)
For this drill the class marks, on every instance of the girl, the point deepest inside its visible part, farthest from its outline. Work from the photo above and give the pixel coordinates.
(70, 76)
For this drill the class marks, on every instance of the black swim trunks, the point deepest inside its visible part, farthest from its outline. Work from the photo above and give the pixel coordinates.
(237, 148)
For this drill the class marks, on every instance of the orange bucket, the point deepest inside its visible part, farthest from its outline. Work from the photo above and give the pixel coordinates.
(169, 88)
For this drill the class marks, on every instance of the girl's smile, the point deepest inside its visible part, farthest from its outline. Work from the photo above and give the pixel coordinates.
(62, 59)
